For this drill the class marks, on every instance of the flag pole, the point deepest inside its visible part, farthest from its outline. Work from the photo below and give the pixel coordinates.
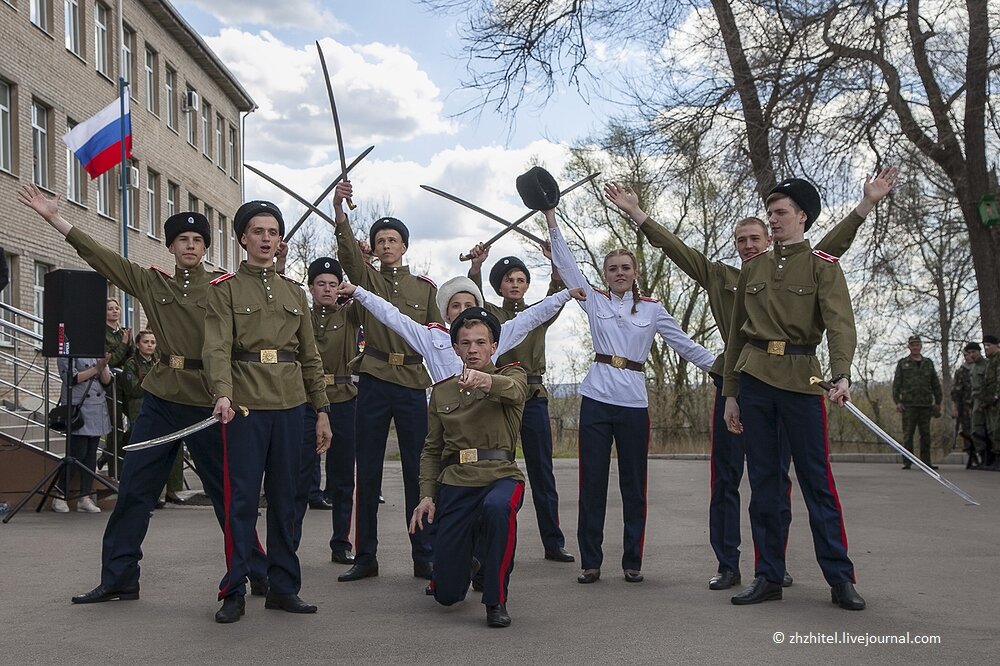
(123, 169)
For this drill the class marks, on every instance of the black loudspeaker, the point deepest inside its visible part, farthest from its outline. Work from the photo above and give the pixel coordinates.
(74, 319)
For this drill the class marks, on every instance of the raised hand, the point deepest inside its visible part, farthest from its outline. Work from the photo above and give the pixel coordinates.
(478, 255)
(34, 198)
(876, 188)
(344, 190)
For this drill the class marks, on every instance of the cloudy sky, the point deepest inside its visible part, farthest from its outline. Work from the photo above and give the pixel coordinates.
(398, 86)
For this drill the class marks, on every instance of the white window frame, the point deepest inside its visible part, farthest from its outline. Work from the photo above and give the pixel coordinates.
(132, 198)
(221, 242)
(150, 66)
(101, 59)
(192, 125)
(170, 85)
(152, 203)
(233, 155)
(209, 214)
(220, 141)
(7, 297)
(128, 59)
(76, 191)
(206, 129)
(74, 32)
(103, 190)
(173, 191)
(38, 292)
(38, 13)
(40, 144)
(6, 130)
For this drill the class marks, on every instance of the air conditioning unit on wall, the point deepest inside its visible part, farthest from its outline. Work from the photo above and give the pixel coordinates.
(189, 101)
(132, 176)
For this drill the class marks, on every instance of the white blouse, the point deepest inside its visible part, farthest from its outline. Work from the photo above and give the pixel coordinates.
(616, 331)
(433, 341)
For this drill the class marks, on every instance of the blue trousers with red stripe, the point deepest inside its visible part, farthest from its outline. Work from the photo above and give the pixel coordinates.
(600, 423)
(381, 403)
(265, 446)
(339, 472)
(143, 476)
(536, 443)
(484, 519)
(727, 473)
(765, 410)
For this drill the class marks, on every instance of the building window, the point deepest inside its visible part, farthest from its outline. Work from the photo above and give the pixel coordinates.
(74, 34)
(39, 292)
(206, 128)
(40, 146)
(104, 194)
(6, 131)
(101, 59)
(171, 89)
(6, 297)
(220, 141)
(221, 242)
(209, 255)
(39, 13)
(233, 154)
(173, 193)
(152, 88)
(131, 196)
(192, 203)
(128, 59)
(234, 243)
(75, 183)
(152, 202)
(192, 123)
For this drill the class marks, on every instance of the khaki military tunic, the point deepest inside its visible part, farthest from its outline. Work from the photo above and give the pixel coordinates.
(133, 373)
(175, 307)
(470, 419)
(719, 279)
(415, 297)
(257, 310)
(337, 342)
(790, 295)
(115, 346)
(915, 383)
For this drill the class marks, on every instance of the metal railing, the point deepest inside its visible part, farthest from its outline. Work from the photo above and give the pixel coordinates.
(20, 339)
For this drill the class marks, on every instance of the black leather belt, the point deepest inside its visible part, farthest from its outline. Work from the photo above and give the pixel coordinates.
(181, 362)
(535, 379)
(619, 362)
(266, 356)
(466, 456)
(337, 379)
(394, 358)
(782, 348)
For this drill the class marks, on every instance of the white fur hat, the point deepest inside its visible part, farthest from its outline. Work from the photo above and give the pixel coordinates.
(456, 285)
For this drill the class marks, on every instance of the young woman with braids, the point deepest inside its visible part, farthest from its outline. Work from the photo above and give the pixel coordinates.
(614, 405)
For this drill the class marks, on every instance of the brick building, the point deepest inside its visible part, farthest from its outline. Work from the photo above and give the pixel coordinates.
(59, 65)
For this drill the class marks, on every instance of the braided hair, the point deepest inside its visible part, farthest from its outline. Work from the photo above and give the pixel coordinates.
(622, 252)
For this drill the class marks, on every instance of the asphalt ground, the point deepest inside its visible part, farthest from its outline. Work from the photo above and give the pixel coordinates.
(926, 564)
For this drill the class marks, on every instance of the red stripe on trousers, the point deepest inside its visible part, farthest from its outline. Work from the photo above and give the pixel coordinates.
(508, 553)
(227, 499)
(831, 484)
(645, 489)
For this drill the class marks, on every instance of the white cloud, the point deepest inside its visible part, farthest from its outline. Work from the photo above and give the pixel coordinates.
(307, 14)
(382, 95)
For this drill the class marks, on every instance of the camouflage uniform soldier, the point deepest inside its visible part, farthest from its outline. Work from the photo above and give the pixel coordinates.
(964, 394)
(989, 399)
(916, 390)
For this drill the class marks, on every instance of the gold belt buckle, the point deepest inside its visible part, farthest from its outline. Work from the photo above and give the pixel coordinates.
(330, 379)
(176, 362)
(268, 355)
(466, 456)
(396, 358)
(619, 362)
(776, 347)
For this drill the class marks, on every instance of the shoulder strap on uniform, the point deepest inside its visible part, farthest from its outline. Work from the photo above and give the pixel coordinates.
(648, 299)
(285, 277)
(222, 278)
(826, 257)
(161, 271)
(515, 364)
(602, 292)
(435, 324)
(428, 280)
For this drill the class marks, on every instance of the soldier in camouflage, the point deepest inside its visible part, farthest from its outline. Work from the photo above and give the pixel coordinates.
(968, 379)
(916, 390)
(989, 399)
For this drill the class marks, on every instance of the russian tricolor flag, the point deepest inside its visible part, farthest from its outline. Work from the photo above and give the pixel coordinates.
(96, 142)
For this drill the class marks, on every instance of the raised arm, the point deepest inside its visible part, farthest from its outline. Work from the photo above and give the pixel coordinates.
(514, 331)
(839, 239)
(563, 260)
(681, 343)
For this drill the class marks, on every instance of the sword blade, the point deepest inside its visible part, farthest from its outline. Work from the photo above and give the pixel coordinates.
(172, 437)
(291, 193)
(336, 119)
(511, 226)
(926, 469)
(329, 188)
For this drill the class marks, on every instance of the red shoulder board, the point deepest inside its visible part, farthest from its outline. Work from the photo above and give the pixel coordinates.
(222, 278)
(515, 364)
(428, 280)
(648, 299)
(162, 271)
(435, 324)
(826, 257)
(295, 282)
(601, 292)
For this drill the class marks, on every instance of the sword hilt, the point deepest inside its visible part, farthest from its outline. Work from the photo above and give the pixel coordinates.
(823, 384)
(350, 203)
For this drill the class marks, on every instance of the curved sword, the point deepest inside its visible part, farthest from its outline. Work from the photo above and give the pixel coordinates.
(329, 188)
(336, 120)
(885, 437)
(183, 432)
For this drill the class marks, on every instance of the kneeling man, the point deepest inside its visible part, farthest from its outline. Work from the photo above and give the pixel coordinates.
(470, 485)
